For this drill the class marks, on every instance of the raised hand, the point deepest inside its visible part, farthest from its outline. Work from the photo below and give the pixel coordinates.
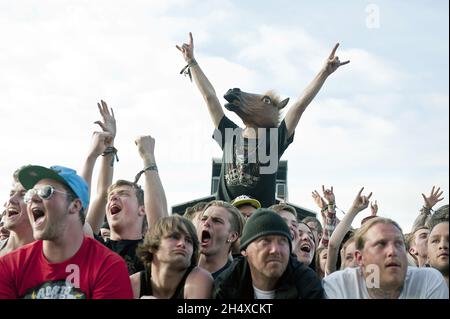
(146, 148)
(318, 199)
(333, 63)
(187, 49)
(109, 121)
(100, 140)
(329, 195)
(374, 208)
(433, 199)
(361, 202)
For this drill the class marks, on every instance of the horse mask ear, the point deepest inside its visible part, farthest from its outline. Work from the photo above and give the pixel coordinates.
(283, 103)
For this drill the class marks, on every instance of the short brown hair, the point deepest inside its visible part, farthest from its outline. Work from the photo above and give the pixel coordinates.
(137, 189)
(277, 208)
(439, 216)
(164, 226)
(360, 238)
(139, 195)
(199, 206)
(237, 220)
(191, 211)
(409, 238)
(313, 219)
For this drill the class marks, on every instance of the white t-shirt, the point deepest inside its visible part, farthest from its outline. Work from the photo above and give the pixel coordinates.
(420, 283)
(262, 294)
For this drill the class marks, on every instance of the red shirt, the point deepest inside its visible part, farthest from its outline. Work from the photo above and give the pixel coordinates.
(94, 272)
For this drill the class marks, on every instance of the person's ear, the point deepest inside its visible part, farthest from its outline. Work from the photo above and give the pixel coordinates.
(232, 237)
(141, 211)
(413, 251)
(358, 257)
(244, 253)
(75, 206)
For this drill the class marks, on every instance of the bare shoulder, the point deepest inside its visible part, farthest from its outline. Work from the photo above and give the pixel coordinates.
(201, 274)
(198, 284)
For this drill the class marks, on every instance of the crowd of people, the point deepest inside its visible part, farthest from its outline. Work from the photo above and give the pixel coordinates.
(59, 241)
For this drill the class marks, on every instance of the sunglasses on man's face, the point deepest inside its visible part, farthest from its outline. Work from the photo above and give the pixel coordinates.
(43, 191)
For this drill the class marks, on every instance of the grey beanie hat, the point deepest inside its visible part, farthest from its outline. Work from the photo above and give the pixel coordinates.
(264, 222)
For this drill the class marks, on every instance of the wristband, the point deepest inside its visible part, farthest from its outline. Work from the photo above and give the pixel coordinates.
(151, 167)
(111, 150)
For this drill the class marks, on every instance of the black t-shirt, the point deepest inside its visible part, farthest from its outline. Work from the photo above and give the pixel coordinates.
(126, 248)
(146, 286)
(249, 166)
(218, 272)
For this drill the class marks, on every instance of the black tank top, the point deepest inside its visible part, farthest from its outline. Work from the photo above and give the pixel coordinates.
(146, 286)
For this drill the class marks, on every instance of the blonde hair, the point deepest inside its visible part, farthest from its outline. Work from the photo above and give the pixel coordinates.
(237, 220)
(360, 238)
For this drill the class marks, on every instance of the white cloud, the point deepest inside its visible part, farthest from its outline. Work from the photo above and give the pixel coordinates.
(367, 127)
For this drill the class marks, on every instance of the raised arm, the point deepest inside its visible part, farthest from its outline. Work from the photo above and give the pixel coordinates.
(295, 112)
(202, 82)
(425, 211)
(374, 208)
(320, 202)
(154, 196)
(105, 145)
(360, 203)
(330, 216)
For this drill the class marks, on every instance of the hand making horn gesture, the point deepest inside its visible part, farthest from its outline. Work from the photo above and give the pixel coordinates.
(333, 62)
(187, 49)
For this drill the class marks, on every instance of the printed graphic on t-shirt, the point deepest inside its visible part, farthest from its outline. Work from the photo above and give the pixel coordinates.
(55, 290)
(244, 170)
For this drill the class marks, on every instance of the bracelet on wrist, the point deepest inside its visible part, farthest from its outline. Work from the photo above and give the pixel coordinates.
(111, 150)
(151, 167)
(187, 69)
(427, 209)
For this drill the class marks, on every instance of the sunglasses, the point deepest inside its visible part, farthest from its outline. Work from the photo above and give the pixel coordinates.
(43, 191)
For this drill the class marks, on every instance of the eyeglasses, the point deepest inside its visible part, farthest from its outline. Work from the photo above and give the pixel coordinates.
(43, 191)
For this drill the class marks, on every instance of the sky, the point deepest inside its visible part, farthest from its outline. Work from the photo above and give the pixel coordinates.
(381, 122)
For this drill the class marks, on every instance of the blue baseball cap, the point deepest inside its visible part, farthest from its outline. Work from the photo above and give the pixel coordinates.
(30, 175)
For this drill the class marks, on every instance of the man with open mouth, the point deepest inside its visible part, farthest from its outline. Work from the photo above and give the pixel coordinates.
(219, 229)
(16, 219)
(305, 247)
(62, 263)
(128, 209)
